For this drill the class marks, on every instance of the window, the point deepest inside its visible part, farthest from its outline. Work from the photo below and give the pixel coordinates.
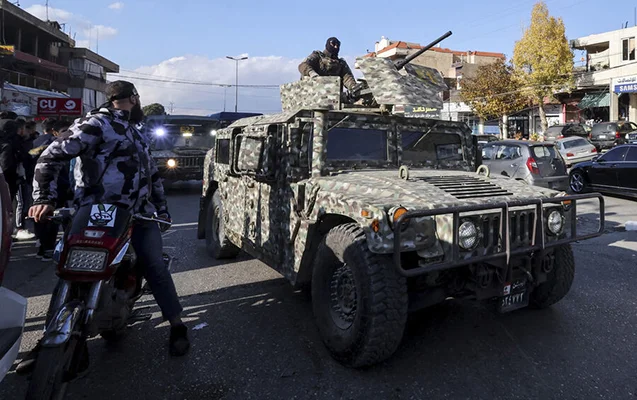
(543, 153)
(488, 152)
(223, 151)
(628, 127)
(632, 154)
(569, 144)
(628, 49)
(418, 147)
(509, 153)
(356, 144)
(615, 155)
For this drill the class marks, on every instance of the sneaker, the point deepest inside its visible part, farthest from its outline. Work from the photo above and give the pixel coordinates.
(24, 234)
(179, 343)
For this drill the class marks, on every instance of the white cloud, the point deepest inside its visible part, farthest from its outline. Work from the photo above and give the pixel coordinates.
(203, 99)
(116, 6)
(87, 32)
(55, 14)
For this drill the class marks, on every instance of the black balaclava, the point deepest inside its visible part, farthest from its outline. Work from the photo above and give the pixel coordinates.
(332, 46)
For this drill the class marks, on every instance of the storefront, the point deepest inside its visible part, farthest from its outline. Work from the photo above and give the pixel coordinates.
(23, 100)
(625, 88)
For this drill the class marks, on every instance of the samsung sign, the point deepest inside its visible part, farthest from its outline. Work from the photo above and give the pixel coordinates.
(626, 84)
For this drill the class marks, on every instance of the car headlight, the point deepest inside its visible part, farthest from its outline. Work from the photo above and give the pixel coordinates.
(213, 132)
(86, 260)
(555, 222)
(468, 235)
(160, 131)
(171, 163)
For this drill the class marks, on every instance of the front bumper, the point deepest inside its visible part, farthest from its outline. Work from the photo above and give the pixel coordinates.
(12, 319)
(537, 240)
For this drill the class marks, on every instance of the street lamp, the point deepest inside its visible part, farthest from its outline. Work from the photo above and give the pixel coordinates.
(236, 96)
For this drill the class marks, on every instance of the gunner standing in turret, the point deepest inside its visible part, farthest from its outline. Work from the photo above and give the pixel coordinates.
(327, 63)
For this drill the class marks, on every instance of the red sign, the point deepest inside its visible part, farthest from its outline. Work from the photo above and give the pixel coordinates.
(51, 106)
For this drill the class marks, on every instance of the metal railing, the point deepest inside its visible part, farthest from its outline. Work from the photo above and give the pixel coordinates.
(538, 242)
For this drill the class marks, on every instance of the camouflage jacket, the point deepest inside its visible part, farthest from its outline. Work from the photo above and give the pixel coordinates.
(324, 65)
(113, 164)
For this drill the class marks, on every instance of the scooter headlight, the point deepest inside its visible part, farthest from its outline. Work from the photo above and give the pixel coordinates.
(82, 260)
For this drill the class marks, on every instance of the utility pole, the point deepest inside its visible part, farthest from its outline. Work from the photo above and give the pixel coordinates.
(236, 96)
(171, 107)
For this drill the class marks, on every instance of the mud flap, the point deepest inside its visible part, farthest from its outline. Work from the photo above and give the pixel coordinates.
(62, 326)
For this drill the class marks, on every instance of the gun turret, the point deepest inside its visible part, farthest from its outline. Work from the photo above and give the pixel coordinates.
(400, 64)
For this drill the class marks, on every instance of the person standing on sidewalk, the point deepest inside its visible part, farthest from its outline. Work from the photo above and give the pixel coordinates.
(25, 189)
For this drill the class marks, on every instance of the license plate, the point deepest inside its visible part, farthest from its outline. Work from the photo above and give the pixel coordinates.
(516, 296)
(602, 136)
(187, 129)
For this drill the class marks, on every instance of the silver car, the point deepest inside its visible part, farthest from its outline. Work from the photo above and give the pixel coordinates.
(575, 150)
(536, 163)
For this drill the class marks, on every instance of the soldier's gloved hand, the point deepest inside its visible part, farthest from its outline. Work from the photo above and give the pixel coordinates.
(313, 74)
(164, 216)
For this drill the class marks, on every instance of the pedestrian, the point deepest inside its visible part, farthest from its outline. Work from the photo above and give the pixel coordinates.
(25, 189)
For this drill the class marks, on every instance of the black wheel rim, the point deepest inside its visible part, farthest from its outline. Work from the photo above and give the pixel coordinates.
(577, 182)
(343, 297)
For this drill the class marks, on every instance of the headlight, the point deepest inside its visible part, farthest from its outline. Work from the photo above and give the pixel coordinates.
(86, 260)
(172, 163)
(160, 131)
(213, 132)
(468, 235)
(555, 222)
(395, 213)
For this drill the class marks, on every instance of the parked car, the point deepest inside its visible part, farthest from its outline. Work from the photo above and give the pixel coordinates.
(555, 132)
(13, 308)
(575, 149)
(606, 135)
(612, 172)
(537, 163)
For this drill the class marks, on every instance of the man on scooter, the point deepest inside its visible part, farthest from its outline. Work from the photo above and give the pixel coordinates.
(114, 166)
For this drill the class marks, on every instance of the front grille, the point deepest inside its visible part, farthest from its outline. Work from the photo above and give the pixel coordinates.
(190, 161)
(467, 187)
(521, 230)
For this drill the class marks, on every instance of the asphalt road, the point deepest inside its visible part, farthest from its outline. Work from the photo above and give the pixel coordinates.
(260, 341)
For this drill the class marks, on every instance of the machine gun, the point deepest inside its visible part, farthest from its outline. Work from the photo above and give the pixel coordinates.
(362, 92)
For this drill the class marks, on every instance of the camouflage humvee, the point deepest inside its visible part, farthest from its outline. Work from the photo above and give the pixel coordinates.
(380, 213)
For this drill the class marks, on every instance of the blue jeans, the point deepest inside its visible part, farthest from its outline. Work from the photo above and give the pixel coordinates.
(147, 243)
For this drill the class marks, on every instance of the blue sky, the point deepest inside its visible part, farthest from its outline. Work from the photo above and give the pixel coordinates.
(151, 34)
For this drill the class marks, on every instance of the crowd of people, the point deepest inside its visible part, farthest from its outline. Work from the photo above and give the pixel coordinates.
(20, 146)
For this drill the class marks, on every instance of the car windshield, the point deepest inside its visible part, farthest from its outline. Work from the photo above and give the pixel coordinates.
(604, 128)
(628, 127)
(569, 144)
(544, 152)
(171, 141)
(356, 144)
(420, 147)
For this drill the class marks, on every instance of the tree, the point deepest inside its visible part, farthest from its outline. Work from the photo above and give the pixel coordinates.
(154, 109)
(492, 92)
(542, 59)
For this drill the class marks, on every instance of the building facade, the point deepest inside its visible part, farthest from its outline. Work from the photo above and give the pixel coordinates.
(38, 59)
(607, 79)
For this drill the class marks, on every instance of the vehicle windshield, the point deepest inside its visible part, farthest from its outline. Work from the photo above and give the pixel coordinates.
(569, 144)
(628, 127)
(421, 147)
(181, 133)
(356, 144)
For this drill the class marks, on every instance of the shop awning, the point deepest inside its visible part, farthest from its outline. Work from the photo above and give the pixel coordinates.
(592, 100)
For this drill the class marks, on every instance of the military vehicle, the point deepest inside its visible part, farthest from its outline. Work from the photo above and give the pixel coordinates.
(179, 144)
(379, 213)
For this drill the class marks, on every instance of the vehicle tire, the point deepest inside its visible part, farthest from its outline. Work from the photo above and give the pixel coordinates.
(359, 300)
(559, 279)
(49, 378)
(577, 181)
(217, 243)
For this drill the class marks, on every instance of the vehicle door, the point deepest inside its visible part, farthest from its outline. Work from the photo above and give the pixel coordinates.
(627, 171)
(511, 160)
(548, 159)
(603, 171)
(255, 162)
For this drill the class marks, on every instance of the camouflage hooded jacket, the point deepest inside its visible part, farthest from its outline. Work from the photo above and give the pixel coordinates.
(323, 65)
(113, 165)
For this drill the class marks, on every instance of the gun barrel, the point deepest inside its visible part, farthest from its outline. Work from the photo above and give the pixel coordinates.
(402, 63)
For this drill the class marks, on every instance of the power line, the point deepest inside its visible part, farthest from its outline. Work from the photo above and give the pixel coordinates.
(197, 83)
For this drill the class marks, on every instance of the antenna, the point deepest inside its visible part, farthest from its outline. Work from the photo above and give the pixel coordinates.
(47, 10)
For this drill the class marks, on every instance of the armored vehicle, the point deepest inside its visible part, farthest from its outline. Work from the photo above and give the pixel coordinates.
(179, 144)
(379, 213)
